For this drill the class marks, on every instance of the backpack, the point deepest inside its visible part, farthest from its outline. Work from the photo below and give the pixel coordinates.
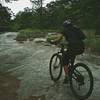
(80, 34)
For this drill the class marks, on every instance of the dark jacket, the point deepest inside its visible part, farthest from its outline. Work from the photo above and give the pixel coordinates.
(73, 35)
(75, 38)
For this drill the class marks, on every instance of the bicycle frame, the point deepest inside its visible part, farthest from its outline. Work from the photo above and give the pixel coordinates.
(61, 51)
(74, 73)
(71, 63)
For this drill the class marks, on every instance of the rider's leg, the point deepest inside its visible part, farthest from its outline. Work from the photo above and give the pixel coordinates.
(66, 58)
(66, 70)
(66, 74)
(65, 65)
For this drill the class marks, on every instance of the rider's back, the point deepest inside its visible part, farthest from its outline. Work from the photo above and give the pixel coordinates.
(73, 35)
(75, 38)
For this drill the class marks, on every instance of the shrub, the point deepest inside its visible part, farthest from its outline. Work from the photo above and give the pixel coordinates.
(29, 34)
(93, 44)
(97, 46)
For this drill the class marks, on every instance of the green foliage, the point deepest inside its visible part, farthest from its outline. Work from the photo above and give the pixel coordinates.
(23, 20)
(29, 34)
(88, 13)
(92, 43)
(97, 47)
(4, 18)
(84, 13)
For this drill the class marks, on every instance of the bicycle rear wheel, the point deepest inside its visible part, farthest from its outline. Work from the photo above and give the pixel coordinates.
(81, 81)
(55, 67)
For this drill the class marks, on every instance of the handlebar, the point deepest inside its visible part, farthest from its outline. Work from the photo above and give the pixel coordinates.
(60, 44)
(62, 47)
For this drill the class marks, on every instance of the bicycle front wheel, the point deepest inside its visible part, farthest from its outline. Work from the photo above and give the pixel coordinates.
(81, 81)
(55, 67)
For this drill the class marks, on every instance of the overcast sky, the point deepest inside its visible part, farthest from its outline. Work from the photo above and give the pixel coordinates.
(17, 6)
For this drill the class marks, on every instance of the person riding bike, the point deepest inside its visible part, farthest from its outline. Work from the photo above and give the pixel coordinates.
(74, 36)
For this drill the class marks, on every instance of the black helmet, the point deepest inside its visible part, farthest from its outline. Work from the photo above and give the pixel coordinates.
(66, 23)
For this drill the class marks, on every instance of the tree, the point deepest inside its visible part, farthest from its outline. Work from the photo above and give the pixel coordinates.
(38, 8)
(24, 19)
(5, 18)
(87, 11)
(84, 13)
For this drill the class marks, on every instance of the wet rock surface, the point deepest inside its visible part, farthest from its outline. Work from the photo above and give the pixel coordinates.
(8, 87)
(29, 63)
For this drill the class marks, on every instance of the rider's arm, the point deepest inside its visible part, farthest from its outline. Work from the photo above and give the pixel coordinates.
(58, 38)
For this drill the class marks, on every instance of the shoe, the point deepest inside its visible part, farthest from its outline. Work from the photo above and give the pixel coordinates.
(65, 80)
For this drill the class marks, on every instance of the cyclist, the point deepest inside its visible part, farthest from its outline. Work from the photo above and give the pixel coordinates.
(74, 36)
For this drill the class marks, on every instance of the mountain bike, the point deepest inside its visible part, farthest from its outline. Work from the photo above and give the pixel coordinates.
(79, 75)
